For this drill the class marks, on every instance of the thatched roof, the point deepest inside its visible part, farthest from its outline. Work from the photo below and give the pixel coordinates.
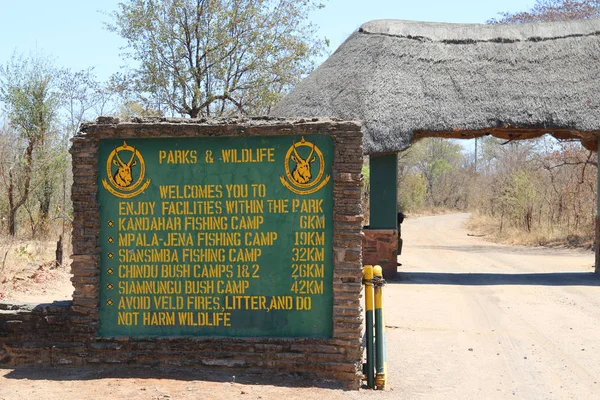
(406, 79)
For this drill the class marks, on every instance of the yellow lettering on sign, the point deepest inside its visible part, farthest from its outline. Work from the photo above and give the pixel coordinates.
(177, 156)
(303, 303)
(281, 303)
(208, 207)
(149, 287)
(138, 271)
(260, 154)
(148, 255)
(278, 206)
(204, 319)
(244, 254)
(136, 207)
(199, 287)
(176, 239)
(137, 239)
(303, 238)
(260, 238)
(308, 270)
(127, 318)
(203, 255)
(244, 206)
(203, 303)
(149, 224)
(307, 287)
(167, 302)
(312, 222)
(135, 303)
(247, 222)
(232, 287)
(213, 271)
(191, 191)
(159, 318)
(175, 271)
(206, 223)
(245, 303)
(219, 239)
(308, 254)
(307, 205)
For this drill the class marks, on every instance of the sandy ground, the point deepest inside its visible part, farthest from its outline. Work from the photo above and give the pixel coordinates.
(468, 319)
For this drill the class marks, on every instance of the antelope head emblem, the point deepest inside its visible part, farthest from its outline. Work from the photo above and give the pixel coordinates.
(123, 175)
(301, 172)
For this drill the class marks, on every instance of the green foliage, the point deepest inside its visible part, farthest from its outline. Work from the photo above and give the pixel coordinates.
(43, 107)
(519, 198)
(28, 91)
(412, 193)
(366, 173)
(29, 94)
(425, 173)
(215, 57)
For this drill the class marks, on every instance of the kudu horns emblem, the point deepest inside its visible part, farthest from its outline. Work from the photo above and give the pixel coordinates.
(121, 183)
(123, 175)
(299, 177)
(301, 172)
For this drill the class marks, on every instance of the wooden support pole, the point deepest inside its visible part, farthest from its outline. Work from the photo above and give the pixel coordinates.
(384, 189)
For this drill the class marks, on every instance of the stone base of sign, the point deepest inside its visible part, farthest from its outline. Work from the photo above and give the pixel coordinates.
(48, 334)
(380, 247)
(65, 333)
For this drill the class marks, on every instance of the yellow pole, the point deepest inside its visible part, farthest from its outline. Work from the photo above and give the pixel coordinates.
(369, 300)
(380, 358)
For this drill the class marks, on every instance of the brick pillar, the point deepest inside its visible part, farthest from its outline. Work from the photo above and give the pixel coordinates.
(380, 247)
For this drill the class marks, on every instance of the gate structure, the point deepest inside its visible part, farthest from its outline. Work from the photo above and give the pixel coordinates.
(406, 80)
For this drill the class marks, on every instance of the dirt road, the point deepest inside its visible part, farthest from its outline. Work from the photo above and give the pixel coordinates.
(474, 320)
(467, 320)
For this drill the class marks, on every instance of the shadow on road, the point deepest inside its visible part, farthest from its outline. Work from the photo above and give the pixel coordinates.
(482, 279)
(61, 373)
(477, 248)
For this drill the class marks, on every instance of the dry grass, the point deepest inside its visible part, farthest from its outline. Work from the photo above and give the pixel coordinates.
(489, 228)
(28, 270)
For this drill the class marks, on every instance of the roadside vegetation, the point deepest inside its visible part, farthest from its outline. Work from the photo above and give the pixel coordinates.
(538, 192)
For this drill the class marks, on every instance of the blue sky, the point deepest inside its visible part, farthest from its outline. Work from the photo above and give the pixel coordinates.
(72, 31)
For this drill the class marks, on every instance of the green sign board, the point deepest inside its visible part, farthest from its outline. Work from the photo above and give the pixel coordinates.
(207, 236)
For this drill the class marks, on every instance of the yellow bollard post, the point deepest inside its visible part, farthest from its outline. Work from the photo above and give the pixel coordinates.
(368, 281)
(380, 358)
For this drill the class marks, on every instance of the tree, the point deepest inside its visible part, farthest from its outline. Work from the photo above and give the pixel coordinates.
(435, 157)
(552, 10)
(428, 172)
(215, 57)
(31, 101)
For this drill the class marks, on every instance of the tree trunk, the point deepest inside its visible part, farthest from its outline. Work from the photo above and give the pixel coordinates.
(11, 221)
(11, 201)
(47, 189)
(13, 206)
(59, 252)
